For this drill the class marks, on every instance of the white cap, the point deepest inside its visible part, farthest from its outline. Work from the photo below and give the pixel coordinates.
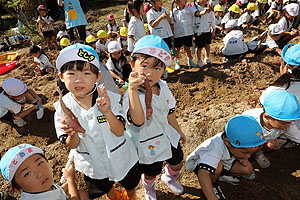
(60, 34)
(292, 9)
(114, 46)
(14, 87)
(275, 29)
(231, 23)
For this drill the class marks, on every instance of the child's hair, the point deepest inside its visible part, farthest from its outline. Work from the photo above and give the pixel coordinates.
(136, 56)
(79, 65)
(133, 4)
(293, 73)
(35, 49)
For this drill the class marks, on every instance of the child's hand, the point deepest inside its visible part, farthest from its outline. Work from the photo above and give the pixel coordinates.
(121, 81)
(67, 129)
(103, 100)
(164, 15)
(135, 80)
(69, 173)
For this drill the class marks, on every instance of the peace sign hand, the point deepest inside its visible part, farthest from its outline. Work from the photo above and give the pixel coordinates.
(103, 100)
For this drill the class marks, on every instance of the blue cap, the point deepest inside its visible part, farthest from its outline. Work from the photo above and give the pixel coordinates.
(154, 45)
(244, 131)
(14, 157)
(77, 52)
(282, 105)
(291, 54)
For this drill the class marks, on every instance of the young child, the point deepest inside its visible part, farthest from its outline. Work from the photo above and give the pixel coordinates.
(259, 15)
(275, 10)
(280, 110)
(233, 13)
(46, 26)
(218, 10)
(41, 62)
(27, 169)
(226, 154)
(286, 22)
(104, 153)
(246, 19)
(91, 41)
(183, 19)
(136, 28)
(64, 42)
(101, 44)
(123, 39)
(160, 22)
(12, 99)
(202, 30)
(112, 27)
(156, 137)
(117, 64)
(266, 42)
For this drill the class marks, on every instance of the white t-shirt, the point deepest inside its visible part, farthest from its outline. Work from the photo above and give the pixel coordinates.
(275, 6)
(208, 155)
(285, 24)
(47, 27)
(244, 19)
(234, 43)
(203, 23)
(218, 21)
(136, 29)
(123, 43)
(184, 21)
(6, 104)
(56, 194)
(113, 28)
(115, 68)
(292, 133)
(163, 29)
(226, 18)
(154, 138)
(100, 153)
(43, 61)
(101, 47)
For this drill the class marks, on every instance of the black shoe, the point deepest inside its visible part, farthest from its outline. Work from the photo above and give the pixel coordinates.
(218, 192)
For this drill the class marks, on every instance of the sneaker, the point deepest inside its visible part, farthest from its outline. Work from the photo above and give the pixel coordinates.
(250, 176)
(19, 122)
(208, 61)
(261, 159)
(200, 63)
(191, 63)
(177, 64)
(40, 112)
(230, 179)
(171, 182)
(218, 192)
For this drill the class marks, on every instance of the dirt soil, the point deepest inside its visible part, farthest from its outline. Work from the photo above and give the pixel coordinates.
(206, 99)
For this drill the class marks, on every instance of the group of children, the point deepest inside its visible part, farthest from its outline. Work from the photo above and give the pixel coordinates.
(128, 142)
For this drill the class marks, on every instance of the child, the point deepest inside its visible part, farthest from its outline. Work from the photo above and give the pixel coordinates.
(112, 27)
(202, 30)
(234, 46)
(275, 10)
(156, 137)
(233, 13)
(136, 28)
(91, 41)
(123, 39)
(183, 19)
(64, 42)
(160, 22)
(15, 94)
(226, 153)
(101, 44)
(117, 64)
(245, 20)
(41, 62)
(29, 172)
(266, 42)
(46, 26)
(104, 153)
(280, 110)
(286, 22)
(259, 15)
(218, 13)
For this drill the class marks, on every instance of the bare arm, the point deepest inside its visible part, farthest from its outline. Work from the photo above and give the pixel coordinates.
(131, 38)
(72, 187)
(59, 2)
(173, 122)
(73, 139)
(27, 112)
(161, 17)
(34, 95)
(206, 184)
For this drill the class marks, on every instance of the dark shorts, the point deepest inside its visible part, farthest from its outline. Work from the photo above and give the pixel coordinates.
(183, 41)
(203, 39)
(99, 187)
(48, 34)
(168, 41)
(154, 169)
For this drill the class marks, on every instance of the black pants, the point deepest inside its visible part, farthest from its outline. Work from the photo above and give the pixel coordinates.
(80, 30)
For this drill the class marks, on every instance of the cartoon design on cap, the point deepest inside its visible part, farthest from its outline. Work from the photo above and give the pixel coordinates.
(85, 55)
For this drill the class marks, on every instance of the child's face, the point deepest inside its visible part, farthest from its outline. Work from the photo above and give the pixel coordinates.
(116, 55)
(243, 154)
(16, 98)
(278, 124)
(111, 22)
(141, 11)
(157, 4)
(218, 14)
(181, 2)
(290, 17)
(124, 37)
(276, 37)
(42, 13)
(80, 83)
(37, 54)
(147, 67)
(103, 40)
(34, 174)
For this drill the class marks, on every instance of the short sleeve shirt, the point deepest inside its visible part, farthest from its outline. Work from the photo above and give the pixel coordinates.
(6, 104)
(285, 24)
(115, 68)
(136, 29)
(47, 27)
(56, 194)
(245, 18)
(102, 47)
(44, 61)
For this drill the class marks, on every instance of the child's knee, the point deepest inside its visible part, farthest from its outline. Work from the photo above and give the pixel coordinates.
(37, 70)
(248, 169)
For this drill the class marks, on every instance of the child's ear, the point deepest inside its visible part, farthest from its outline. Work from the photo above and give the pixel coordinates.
(132, 64)
(60, 75)
(226, 141)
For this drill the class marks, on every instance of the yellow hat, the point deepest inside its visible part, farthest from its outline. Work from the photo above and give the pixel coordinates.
(102, 34)
(218, 8)
(90, 39)
(252, 6)
(64, 42)
(124, 31)
(235, 8)
(146, 27)
(262, 1)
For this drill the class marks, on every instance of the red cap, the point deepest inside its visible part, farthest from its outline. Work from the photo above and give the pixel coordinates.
(110, 17)
(41, 7)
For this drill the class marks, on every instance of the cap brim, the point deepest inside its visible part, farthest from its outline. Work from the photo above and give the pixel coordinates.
(284, 50)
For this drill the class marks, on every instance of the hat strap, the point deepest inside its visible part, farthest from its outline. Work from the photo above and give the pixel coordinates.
(93, 90)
